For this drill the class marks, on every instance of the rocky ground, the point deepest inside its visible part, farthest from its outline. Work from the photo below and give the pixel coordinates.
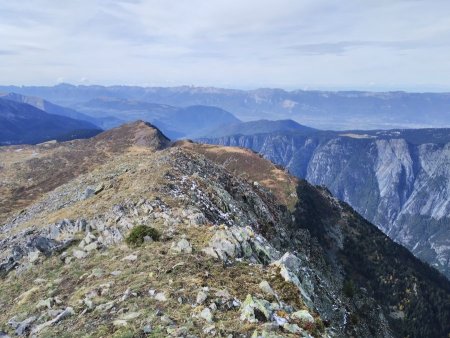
(68, 272)
(237, 251)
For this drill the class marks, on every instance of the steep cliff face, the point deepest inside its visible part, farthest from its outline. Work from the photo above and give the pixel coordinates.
(400, 181)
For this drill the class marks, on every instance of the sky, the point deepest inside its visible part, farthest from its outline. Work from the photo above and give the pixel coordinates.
(291, 44)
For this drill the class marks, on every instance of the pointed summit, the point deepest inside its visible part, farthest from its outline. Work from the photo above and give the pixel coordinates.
(138, 133)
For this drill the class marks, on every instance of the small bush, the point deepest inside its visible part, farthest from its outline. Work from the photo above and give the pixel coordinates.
(137, 234)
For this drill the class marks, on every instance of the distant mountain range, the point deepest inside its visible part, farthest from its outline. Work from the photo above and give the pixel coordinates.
(107, 112)
(319, 109)
(175, 122)
(24, 123)
(397, 179)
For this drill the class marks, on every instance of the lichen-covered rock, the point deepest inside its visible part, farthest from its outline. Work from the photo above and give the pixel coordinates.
(303, 316)
(79, 254)
(45, 303)
(233, 242)
(91, 247)
(255, 310)
(161, 297)
(61, 316)
(207, 315)
(290, 269)
(33, 256)
(105, 307)
(130, 316)
(293, 328)
(182, 246)
(23, 327)
(130, 258)
(202, 295)
(265, 287)
(197, 219)
(120, 322)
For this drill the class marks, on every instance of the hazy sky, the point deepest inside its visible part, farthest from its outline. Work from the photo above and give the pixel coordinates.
(392, 44)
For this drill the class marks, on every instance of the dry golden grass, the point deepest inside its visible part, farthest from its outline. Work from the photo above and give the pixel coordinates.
(251, 166)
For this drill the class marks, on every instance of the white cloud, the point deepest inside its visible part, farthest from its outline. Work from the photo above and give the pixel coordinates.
(252, 43)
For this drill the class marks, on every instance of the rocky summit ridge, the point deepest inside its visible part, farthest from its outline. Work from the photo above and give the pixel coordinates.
(237, 248)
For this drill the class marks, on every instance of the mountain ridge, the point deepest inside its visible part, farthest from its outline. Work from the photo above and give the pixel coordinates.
(224, 237)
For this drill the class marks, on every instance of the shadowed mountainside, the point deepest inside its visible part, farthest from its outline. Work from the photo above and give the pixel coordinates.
(22, 123)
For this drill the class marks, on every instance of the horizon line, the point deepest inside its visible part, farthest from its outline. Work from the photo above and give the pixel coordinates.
(428, 89)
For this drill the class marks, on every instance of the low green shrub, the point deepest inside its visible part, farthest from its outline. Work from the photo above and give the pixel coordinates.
(137, 234)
